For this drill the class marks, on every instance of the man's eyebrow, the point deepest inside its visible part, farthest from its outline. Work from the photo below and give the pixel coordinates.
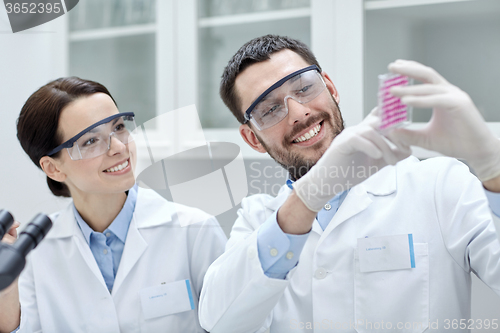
(295, 78)
(266, 97)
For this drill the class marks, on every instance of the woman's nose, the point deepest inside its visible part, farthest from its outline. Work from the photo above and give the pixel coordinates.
(115, 145)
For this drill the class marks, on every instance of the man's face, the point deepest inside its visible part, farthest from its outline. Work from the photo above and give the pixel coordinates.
(285, 140)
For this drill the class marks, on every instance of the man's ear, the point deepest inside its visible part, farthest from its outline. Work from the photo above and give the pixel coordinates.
(51, 168)
(251, 139)
(331, 87)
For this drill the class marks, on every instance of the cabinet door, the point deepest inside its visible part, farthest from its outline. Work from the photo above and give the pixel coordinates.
(223, 27)
(460, 39)
(114, 43)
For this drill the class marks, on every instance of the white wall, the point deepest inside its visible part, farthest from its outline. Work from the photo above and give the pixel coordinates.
(28, 60)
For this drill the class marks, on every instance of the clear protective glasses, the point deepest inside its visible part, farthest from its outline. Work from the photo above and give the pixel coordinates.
(96, 139)
(271, 106)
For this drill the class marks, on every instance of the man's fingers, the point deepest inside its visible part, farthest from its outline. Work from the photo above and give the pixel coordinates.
(388, 154)
(419, 90)
(361, 144)
(430, 101)
(417, 71)
(403, 138)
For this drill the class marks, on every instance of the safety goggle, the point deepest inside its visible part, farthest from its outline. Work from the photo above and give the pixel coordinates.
(95, 140)
(271, 106)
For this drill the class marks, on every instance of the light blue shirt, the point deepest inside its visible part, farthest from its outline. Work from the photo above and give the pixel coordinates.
(279, 252)
(107, 247)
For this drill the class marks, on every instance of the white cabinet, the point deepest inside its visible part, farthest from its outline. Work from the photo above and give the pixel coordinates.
(223, 27)
(459, 38)
(158, 56)
(114, 43)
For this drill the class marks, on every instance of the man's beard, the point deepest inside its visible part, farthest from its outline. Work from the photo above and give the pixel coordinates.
(296, 165)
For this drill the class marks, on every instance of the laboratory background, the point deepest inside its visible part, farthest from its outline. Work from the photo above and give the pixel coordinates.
(156, 56)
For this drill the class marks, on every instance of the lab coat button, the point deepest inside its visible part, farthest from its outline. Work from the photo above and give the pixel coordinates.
(251, 253)
(273, 252)
(289, 255)
(320, 273)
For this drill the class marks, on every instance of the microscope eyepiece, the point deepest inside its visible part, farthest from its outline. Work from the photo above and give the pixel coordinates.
(6, 220)
(33, 234)
(13, 257)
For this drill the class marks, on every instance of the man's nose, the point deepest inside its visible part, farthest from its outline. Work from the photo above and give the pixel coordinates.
(296, 111)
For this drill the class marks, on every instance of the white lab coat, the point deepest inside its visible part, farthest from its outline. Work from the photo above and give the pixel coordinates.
(62, 288)
(437, 200)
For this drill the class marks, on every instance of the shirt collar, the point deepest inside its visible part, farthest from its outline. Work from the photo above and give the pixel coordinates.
(119, 226)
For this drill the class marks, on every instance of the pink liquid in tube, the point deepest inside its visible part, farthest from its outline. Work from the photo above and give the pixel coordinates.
(391, 111)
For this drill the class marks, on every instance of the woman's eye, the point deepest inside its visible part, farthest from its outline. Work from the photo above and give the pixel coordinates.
(119, 127)
(90, 142)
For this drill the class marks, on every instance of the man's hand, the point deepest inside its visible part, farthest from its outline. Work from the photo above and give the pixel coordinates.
(456, 128)
(354, 155)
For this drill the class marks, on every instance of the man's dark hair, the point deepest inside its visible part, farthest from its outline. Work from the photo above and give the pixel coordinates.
(257, 50)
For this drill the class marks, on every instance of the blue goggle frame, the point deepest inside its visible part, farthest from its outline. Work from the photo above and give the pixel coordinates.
(70, 142)
(274, 86)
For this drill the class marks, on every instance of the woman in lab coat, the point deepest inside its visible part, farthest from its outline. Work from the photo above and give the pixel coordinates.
(116, 259)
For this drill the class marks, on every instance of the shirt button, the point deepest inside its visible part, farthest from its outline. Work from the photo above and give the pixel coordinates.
(320, 273)
(289, 255)
(105, 251)
(108, 234)
(273, 252)
(328, 206)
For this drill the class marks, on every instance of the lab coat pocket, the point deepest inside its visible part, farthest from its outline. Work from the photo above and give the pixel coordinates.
(393, 300)
(166, 299)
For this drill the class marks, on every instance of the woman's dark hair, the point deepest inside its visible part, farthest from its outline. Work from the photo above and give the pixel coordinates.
(257, 50)
(39, 118)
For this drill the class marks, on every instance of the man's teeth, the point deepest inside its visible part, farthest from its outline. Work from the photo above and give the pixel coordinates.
(118, 167)
(311, 134)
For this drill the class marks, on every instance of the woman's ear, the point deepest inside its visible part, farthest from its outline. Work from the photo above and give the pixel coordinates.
(331, 87)
(51, 168)
(251, 139)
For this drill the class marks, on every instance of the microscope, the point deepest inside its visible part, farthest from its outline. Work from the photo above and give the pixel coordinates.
(13, 257)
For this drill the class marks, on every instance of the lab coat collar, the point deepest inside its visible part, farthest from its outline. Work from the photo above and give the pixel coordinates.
(153, 210)
(150, 210)
(382, 183)
(276, 203)
(358, 199)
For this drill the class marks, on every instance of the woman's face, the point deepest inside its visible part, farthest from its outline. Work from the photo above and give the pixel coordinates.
(89, 176)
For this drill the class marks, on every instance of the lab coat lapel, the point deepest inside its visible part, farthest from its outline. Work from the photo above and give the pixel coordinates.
(358, 198)
(276, 203)
(65, 225)
(135, 245)
(356, 201)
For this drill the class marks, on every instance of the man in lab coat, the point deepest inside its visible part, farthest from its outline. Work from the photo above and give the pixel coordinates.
(342, 246)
